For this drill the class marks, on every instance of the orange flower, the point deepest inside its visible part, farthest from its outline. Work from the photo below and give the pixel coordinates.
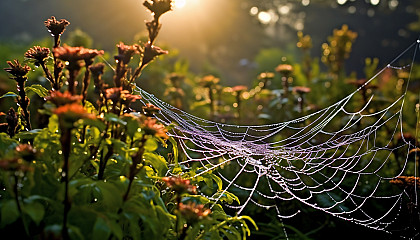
(150, 109)
(209, 81)
(60, 99)
(239, 88)
(55, 27)
(284, 69)
(301, 89)
(193, 212)
(180, 185)
(38, 53)
(17, 70)
(158, 7)
(74, 54)
(70, 113)
(25, 151)
(116, 94)
(406, 182)
(126, 52)
(153, 128)
(150, 52)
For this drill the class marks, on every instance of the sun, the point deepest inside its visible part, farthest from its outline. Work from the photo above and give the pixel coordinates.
(179, 3)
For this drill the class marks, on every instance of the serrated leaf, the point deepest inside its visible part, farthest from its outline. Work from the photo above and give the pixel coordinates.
(38, 89)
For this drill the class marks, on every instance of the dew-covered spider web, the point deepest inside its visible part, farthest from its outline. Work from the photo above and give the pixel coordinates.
(339, 160)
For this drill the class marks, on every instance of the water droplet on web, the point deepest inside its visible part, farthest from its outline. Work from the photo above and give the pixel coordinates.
(60, 152)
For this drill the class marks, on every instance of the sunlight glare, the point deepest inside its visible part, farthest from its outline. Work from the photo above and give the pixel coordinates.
(179, 3)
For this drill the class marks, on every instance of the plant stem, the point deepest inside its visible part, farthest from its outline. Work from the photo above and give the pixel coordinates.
(103, 161)
(65, 140)
(23, 101)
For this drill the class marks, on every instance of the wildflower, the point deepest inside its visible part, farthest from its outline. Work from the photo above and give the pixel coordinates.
(75, 54)
(265, 78)
(151, 127)
(209, 81)
(305, 42)
(158, 7)
(266, 75)
(193, 212)
(180, 185)
(239, 88)
(70, 113)
(406, 182)
(56, 28)
(150, 109)
(12, 121)
(126, 52)
(150, 52)
(116, 94)
(97, 69)
(176, 79)
(60, 99)
(15, 164)
(25, 151)
(284, 69)
(39, 54)
(18, 71)
(301, 90)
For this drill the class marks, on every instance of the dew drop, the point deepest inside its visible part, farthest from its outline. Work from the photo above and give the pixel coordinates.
(60, 152)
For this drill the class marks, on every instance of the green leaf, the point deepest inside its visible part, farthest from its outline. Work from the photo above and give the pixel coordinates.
(92, 122)
(174, 149)
(38, 89)
(35, 211)
(101, 230)
(158, 162)
(150, 145)
(6, 144)
(110, 117)
(28, 134)
(9, 213)
(226, 197)
(9, 94)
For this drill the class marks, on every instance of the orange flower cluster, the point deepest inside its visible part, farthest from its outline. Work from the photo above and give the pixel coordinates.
(406, 181)
(74, 54)
(116, 94)
(59, 99)
(70, 113)
(180, 185)
(153, 128)
(193, 212)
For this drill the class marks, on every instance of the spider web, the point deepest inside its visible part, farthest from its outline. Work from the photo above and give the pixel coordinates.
(341, 169)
